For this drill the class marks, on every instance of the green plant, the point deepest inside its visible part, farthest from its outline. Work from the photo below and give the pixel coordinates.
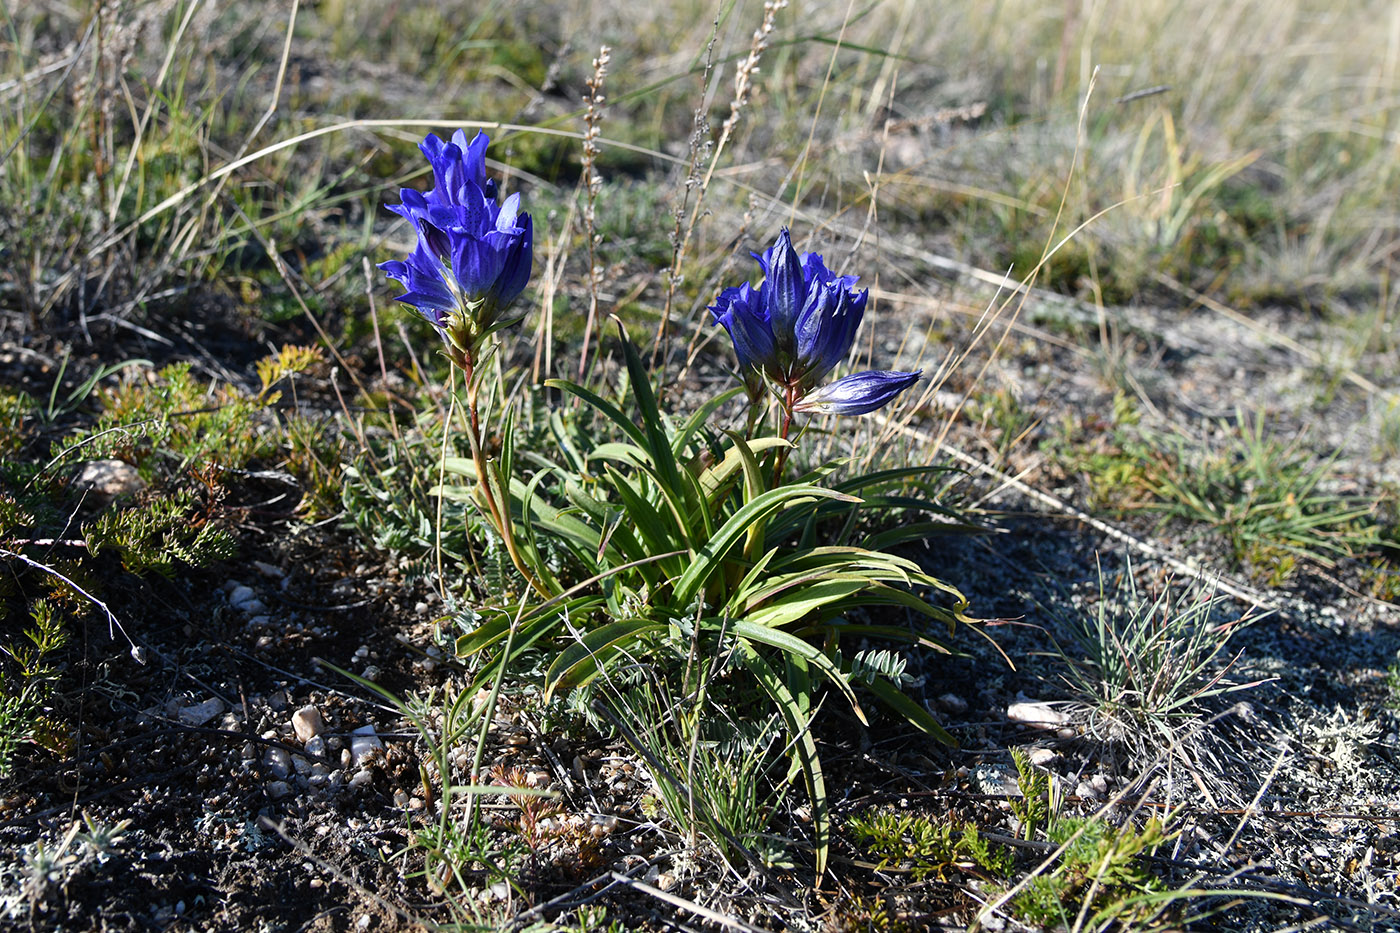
(458, 853)
(28, 679)
(1039, 803)
(1271, 502)
(711, 751)
(1142, 663)
(682, 532)
(926, 847)
(161, 533)
(174, 422)
(1098, 877)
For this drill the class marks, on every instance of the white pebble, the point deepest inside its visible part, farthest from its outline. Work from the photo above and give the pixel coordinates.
(245, 600)
(308, 723)
(200, 713)
(1041, 715)
(362, 742)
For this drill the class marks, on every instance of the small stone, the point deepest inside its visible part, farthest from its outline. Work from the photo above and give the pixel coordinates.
(362, 742)
(1100, 783)
(268, 570)
(200, 713)
(105, 480)
(1040, 715)
(279, 763)
(278, 789)
(1044, 757)
(302, 766)
(316, 747)
(952, 703)
(361, 778)
(995, 779)
(1086, 791)
(308, 723)
(400, 797)
(244, 599)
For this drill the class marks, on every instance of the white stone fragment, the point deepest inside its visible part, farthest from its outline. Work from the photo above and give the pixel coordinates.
(200, 713)
(244, 599)
(1041, 715)
(362, 742)
(105, 480)
(308, 723)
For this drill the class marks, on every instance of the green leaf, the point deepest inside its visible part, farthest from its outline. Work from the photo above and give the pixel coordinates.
(804, 748)
(663, 457)
(658, 531)
(921, 718)
(714, 478)
(776, 638)
(708, 558)
(581, 661)
(608, 409)
(803, 601)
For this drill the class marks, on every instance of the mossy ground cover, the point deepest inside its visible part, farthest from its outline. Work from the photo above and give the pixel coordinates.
(1146, 262)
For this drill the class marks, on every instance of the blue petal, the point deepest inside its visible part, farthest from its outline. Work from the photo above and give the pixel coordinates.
(738, 311)
(858, 393)
(784, 291)
(515, 271)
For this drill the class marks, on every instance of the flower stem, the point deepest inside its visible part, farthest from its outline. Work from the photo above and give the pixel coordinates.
(784, 428)
(497, 507)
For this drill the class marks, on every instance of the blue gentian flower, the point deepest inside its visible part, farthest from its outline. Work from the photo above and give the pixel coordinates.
(857, 393)
(796, 327)
(473, 256)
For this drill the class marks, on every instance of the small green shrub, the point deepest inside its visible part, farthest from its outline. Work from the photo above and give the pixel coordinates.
(28, 679)
(928, 848)
(1099, 874)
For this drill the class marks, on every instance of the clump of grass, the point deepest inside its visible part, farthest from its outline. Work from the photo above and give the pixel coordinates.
(714, 756)
(1271, 502)
(1143, 663)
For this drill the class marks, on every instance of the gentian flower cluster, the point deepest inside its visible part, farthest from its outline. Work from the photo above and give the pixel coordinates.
(792, 330)
(473, 256)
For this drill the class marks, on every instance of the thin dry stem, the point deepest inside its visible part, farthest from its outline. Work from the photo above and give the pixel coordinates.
(592, 183)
